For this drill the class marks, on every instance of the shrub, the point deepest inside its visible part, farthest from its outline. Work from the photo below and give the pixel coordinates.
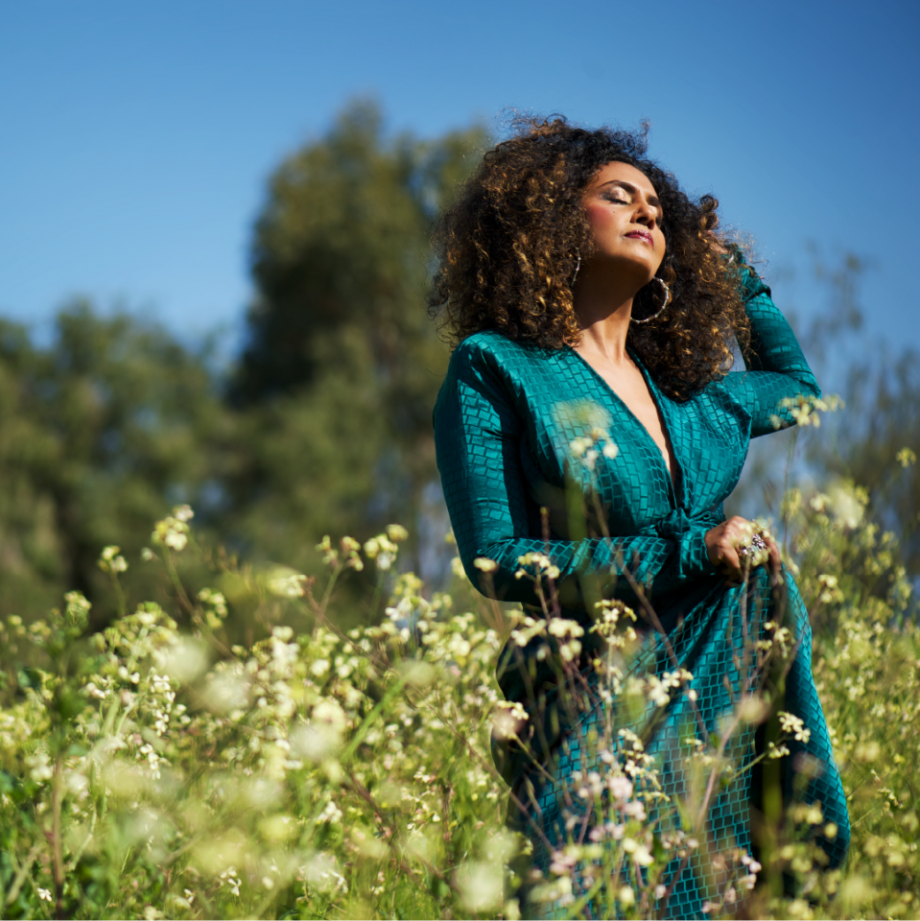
(149, 771)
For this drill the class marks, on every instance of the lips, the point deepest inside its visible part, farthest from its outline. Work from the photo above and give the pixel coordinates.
(643, 235)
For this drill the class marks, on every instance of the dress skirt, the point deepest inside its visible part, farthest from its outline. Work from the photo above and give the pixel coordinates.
(610, 754)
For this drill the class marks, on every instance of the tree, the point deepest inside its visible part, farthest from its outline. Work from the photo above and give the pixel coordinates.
(326, 427)
(342, 365)
(102, 431)
(875, 439)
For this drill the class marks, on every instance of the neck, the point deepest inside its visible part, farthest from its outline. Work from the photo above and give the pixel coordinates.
(603, 311)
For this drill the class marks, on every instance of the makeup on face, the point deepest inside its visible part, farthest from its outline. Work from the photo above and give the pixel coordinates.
(621, 192)
(625, 215)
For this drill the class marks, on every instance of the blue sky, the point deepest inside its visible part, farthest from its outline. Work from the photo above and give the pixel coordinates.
(137, 138)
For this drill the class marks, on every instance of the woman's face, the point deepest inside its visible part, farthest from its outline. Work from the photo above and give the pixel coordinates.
(624, 215)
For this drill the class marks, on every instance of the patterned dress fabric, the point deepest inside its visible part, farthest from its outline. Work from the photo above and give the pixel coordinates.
(504, 422)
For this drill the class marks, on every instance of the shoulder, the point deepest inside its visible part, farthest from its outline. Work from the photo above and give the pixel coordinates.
(490, 367)
(491, 351)
(490, 342)
(724, 398)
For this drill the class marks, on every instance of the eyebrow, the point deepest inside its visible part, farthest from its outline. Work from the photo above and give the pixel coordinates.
(622, 183)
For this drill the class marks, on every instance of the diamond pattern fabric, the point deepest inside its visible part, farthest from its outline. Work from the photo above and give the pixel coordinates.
(505, 421)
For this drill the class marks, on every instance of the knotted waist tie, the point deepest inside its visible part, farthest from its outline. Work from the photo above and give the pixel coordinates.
(673, 606)
(675, 525)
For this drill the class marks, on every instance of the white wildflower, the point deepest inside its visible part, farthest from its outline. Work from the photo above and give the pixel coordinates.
(286, 583)
(331, 813)
(231, 879)
(172, 531)
(397, 533)
(621, 788)
(320, 667)
(905, 457)
(794, 725)
(111, 560)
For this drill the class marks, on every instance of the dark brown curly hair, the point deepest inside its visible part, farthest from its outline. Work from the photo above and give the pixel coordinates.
(508, 247)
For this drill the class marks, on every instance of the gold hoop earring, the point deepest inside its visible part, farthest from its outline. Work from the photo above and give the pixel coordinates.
(660, 310)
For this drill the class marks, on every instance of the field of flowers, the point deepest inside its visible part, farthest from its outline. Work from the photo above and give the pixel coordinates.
(150, 772)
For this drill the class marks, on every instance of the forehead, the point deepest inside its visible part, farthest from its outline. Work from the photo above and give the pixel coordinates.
(624, 172)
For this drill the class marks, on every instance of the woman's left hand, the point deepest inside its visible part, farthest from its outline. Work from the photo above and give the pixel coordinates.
(715, 244)
(724, 543)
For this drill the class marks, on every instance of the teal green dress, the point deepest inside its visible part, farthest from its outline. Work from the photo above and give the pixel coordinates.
(504, 422)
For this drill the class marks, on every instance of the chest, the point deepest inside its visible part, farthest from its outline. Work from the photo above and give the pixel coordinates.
(631, 389)
(661, 454)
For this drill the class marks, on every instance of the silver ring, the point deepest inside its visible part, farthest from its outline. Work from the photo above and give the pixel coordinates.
(753, 546)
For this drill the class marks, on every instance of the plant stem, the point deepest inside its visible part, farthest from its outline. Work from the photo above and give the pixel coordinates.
(57, 847)
(22, 873)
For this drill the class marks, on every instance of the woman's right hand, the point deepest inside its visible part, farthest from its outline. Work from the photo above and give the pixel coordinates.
(725, 540)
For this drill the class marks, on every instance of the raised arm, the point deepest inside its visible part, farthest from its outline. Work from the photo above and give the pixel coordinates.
(478, 435)
(776, 368)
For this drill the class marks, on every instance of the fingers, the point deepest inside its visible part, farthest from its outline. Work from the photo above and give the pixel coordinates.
(723, 545)
(715, 244)
(733, 574)
(731, 558)
(737, 529)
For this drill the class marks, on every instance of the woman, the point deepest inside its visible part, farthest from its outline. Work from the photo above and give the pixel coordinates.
(587, 434)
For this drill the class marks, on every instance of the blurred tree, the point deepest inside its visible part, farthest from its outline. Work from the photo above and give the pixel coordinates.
(102, 432)
(876, 442)
(326, 426)
(328, 423)
(865, 441)
(342, 365)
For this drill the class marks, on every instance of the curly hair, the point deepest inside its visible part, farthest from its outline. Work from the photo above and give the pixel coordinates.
(508, 249)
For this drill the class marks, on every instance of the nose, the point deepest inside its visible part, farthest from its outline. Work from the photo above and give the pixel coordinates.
(646, 214)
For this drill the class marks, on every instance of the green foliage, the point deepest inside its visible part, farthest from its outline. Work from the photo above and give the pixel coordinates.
(149, 771)
(340, 345)
(229, 746)
(341, 251)
(328, 418)
(100, 430)
(883, 393)
(879, 388)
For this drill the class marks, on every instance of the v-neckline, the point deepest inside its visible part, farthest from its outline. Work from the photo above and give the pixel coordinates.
(675, 479)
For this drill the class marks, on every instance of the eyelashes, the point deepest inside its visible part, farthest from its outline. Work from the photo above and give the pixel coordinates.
(616, 199)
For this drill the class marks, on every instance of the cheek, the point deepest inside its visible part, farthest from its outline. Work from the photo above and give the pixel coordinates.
(599, 218)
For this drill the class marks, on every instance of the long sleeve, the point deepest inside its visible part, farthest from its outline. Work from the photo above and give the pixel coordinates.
(776, 368)
(478, 435)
